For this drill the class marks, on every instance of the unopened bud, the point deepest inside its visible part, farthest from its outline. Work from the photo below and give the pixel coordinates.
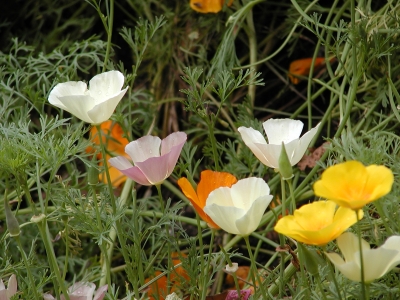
(11, 220)
(93, 173)
(285, 167)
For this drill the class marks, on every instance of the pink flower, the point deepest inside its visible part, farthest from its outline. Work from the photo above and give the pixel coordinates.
(11, 290)
(82, 291)
(152, 166)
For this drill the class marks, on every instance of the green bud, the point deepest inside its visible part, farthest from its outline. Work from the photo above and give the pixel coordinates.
(285, 168)
(11, 220)
(309, 258)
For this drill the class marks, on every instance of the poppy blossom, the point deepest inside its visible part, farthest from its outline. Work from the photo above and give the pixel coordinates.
(353, 185)
(154, 159)
(377, 262)
(209, 181)
(94, 105)
(238, 209)
(317, 223)
(278, 131)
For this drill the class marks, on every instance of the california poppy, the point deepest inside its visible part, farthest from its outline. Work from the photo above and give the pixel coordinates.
(115, 142)
(209, 181)
(301, 67)
(208, 6)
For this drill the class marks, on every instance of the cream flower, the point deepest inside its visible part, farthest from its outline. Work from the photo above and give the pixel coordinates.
(278, 130)
(82, 291)
(154, 159)
(238, 209)
(11, 290)
(94, 105)
(377, 262)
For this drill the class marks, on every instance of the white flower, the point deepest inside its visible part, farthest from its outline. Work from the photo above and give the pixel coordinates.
(94, 105)
(11, 290)
(377, 262)
(82, 291)
(239, 209)
(278, 130)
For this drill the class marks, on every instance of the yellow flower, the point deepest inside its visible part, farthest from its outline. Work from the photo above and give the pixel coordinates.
(317, 223)
(353, 185)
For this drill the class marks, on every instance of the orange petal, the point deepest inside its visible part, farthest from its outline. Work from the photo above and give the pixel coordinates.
(301, 67)
(208, 6)
(158, 289)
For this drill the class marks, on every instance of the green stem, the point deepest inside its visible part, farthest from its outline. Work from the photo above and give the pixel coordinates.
(318, 278)
(363, 294)
(253, 54)
(109, 33)
(28, 269)
(254, 271)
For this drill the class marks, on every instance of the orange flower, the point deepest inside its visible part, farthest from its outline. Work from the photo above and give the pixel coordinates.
(209, 181)
(301, 67)
(208, 6)
(112, 138)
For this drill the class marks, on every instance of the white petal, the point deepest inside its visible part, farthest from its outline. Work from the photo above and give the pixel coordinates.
(282, 130)
(303, 144)
(377, 262)
(348, 245)
(103, 111)
(78, 106)
(251, 220)
(349, 269)
(247, 190)
(224, 216)
(144, 148)
(106, 85)
(120, 162)
(253, 138)
(70, 88)
(271, 154)
(220, 196)
(12, 285)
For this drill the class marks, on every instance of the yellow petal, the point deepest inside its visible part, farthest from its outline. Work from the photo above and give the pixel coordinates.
(353, 185)
(317, 223)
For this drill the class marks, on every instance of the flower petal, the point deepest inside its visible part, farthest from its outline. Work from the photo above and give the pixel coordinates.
(349, 269)
(156, 169)
(106, 85)
(12, 286)
(103, 111)
(224, 216)
(173, 140)
(248, 190)
(78, 105)
(302, 145)
(71, 88)
(253, 139)
(122, 164)
(381, 178)
(251, 220)
(101, 292)
(282, 130)
(144, 148)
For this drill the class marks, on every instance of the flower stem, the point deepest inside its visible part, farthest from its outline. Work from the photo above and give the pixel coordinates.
(363, 294)
(254, 271)
(110, 18)
(28, 270)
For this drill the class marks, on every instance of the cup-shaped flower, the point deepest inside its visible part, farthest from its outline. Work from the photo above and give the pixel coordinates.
(208, 6)
(154, 159)
(11, 290)
(317, 223)
(377, 262)
(353, 185)
(94, 105)
(82, 291)
(238, 209)
(209, 181)
(278, 131)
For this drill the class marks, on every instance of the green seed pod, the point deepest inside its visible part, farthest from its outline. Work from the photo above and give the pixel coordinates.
(285, 168)
(11, 220)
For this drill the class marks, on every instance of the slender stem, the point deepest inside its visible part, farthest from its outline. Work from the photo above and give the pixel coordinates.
(109, 33)
(254, 271)
(363, 294)
(282, 238)
(253, 53)
(232, 273)
(201, 249)
(28, 269)
(318, 278)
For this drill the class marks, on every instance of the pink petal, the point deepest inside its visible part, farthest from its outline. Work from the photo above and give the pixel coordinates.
(144, 148)
(47, 297)
(101, 292)
(174, 139)
(12, 286)
(81, 289)
(137, 175)
(233, 295)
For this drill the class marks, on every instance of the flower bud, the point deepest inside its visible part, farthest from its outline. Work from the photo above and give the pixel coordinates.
(309, 259)
(285, 168)
(11, 220)
(93, 175)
